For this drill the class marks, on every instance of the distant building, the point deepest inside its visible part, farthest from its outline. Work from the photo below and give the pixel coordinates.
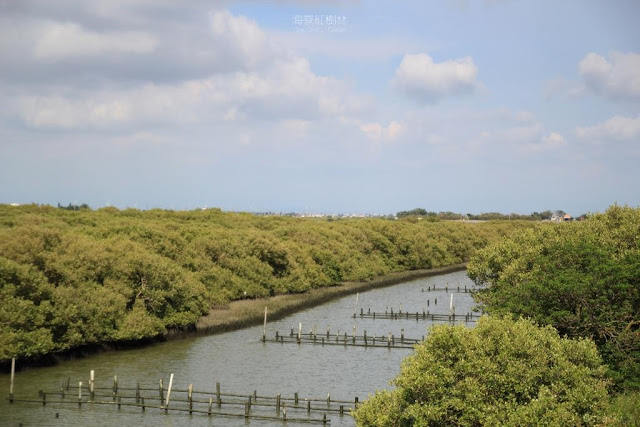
(566, 217)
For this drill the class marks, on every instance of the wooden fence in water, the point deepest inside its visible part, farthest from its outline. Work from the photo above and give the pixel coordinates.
(170, 399)
(353, 340)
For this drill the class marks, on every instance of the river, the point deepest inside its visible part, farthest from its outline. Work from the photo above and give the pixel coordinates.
(241, 363)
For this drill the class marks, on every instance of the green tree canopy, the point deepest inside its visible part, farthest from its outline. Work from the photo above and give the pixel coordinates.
(582, 277)
(502, 372)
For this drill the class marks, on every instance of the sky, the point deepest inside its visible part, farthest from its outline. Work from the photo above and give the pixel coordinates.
(321, 106)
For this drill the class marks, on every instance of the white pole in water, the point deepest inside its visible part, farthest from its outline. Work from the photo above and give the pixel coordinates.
(13, 374)
(451, 308)
(264, 329)
(355, 307)
(91, 384)
(166, 404)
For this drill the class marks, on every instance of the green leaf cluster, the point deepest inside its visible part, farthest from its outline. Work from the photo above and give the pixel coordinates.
(502, 372)
(581, 277)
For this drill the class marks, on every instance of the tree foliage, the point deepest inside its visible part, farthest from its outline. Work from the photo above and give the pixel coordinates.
(71, 277)
(583, 278)
(502, 372)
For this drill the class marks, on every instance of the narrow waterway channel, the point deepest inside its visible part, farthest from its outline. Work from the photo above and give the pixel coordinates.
(241, 363)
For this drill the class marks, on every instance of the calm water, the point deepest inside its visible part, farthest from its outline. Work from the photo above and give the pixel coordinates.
(242, 363)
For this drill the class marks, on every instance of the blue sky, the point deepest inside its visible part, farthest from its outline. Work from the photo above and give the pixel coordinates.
(321, 106)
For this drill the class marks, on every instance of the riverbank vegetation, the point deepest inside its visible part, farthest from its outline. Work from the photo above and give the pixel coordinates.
(76, 277)
(582, 278)
(579, 281)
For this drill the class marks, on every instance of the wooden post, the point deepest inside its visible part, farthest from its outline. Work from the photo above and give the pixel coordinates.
(328, 331)
(264, 328)
(436, 301)
(255, 395)
(451, 308)
(365, 337)
(166, 403)
(218, 400)
(210, 405)
(278, 403)
(246, 410)
(13, 374)
(295, 398)
(328, 400)
(308, 406)
(79, 393)
(142, 403)
(91, 389)
(44, 398)
(299, 332)
(161, 391)
(189, 397)
(356, 403)
(138, 392)
(115, 386)
(354, 334)
(402, 335)
(119, 402)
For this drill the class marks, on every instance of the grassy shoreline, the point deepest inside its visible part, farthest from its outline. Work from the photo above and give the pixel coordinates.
(245, 313)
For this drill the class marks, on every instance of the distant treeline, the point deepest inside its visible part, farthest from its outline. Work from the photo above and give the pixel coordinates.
(76, 277)
(487, 216)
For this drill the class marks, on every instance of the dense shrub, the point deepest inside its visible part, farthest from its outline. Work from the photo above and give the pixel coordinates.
(502, 372)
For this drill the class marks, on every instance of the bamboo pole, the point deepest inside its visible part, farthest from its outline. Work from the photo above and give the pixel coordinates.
(13, 374)
(91, 380)
(355, 307)
(166, 404)
(264, 328)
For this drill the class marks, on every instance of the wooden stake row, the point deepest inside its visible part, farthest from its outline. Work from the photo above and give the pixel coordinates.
(425, 315)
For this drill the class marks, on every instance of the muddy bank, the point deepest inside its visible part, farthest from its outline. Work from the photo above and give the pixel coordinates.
(241, 314)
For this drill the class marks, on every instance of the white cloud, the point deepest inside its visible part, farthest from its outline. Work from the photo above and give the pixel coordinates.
(615, 129)
(378, 132)
(285, 90)
(240, 38)
(418, 76)
(67, 40)
(553, 141)
(617, 78)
